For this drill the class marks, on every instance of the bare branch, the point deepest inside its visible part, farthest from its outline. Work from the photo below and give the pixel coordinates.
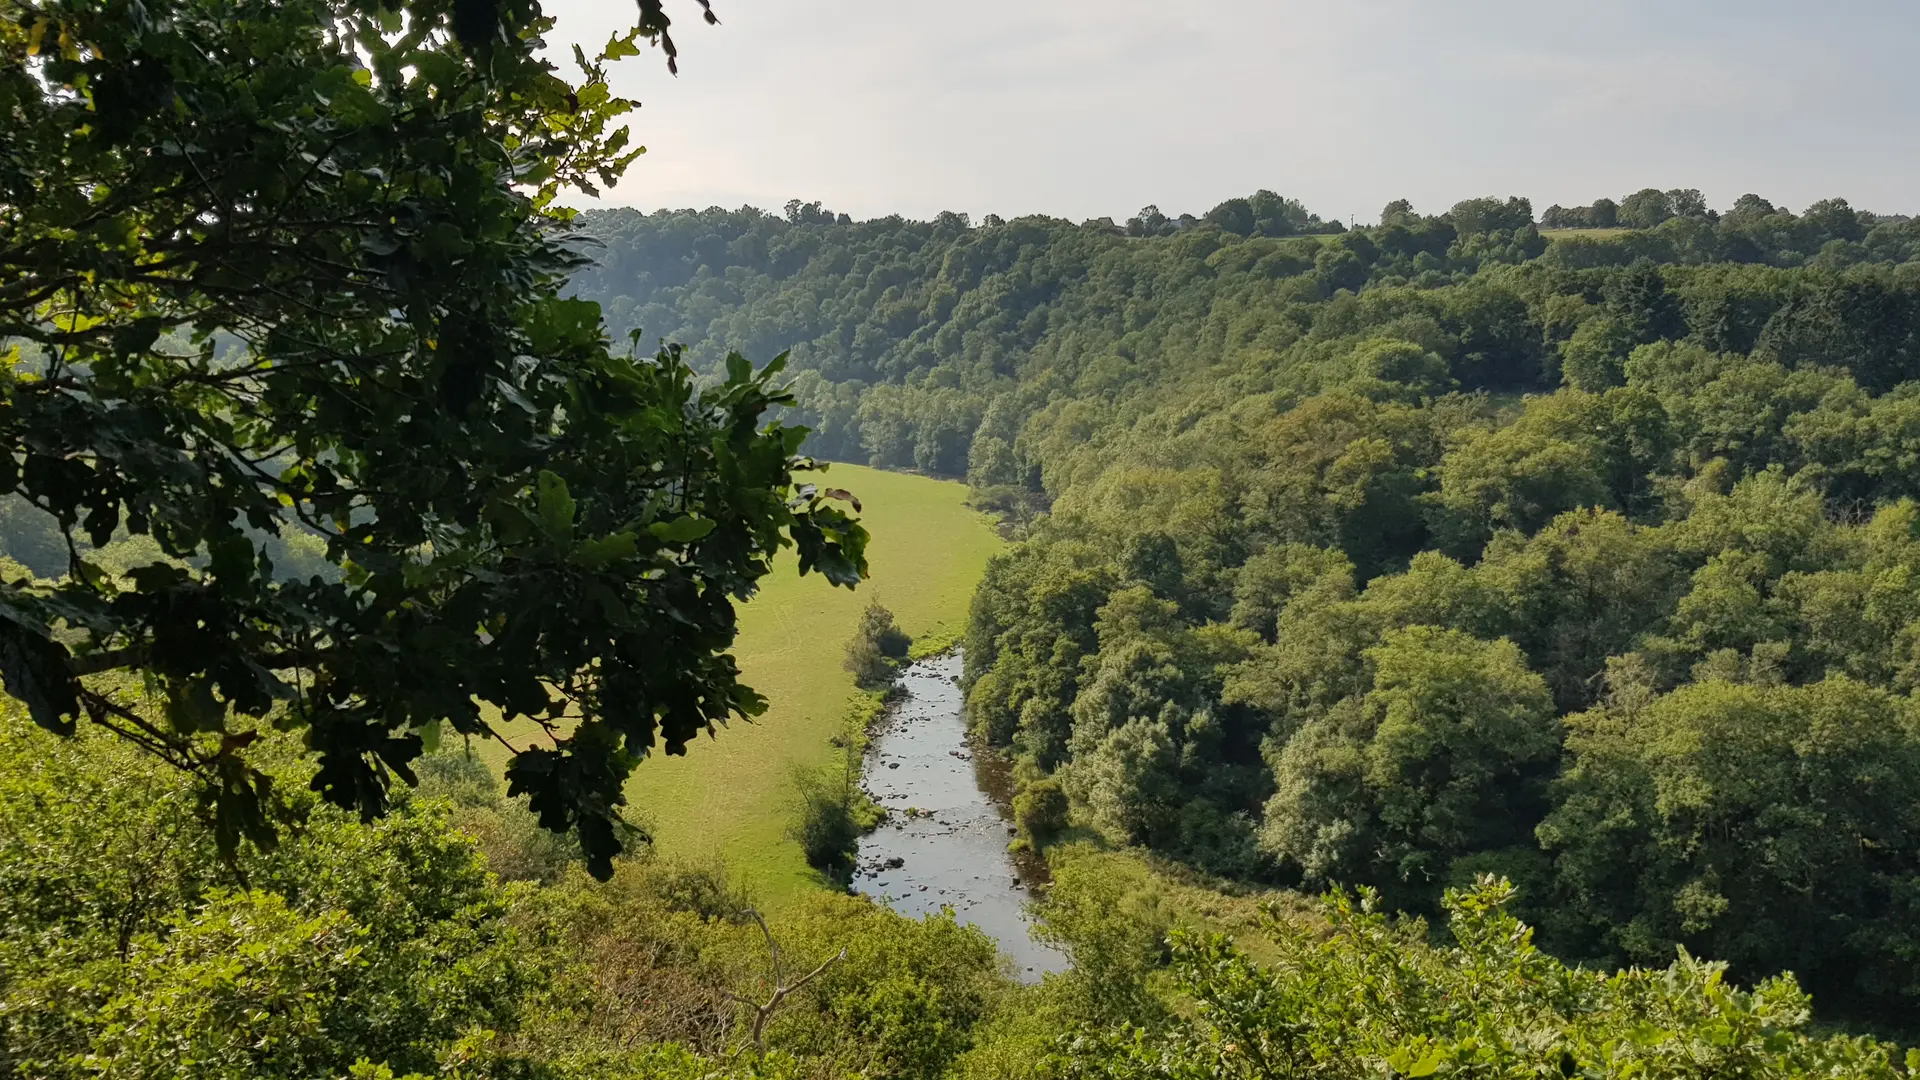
(763, 1012)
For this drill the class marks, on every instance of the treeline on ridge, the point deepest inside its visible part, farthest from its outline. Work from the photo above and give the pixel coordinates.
(1395, 555)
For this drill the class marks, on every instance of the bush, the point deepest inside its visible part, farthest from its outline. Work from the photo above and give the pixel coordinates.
(1369, 997)
(509, 835)
(1106, 911)
(834, 814)
(127, 941)
(877, 645)
(904, 1002)
(827, 834)
(653, 990)
(1040, 811)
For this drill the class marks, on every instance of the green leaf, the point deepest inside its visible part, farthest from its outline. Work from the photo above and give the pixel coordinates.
(599, 552)
(619, 48)
(556, 505)
(681, 530)
(195, 708)
(444, 238)
(738, 369)
(1426, 1066)
(562, 325)
(137, 336)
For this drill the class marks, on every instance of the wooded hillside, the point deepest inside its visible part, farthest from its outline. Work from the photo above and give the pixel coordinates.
(1393, 555)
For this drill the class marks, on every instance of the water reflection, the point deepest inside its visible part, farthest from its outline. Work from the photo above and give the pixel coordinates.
(945, 841)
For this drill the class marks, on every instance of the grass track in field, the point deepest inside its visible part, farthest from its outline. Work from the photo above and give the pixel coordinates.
(1591, 234)
(734, 797)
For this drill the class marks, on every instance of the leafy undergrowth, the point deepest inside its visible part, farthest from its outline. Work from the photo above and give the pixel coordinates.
(397, 948)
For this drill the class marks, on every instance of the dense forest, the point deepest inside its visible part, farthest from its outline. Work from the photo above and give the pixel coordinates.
(1401, 554)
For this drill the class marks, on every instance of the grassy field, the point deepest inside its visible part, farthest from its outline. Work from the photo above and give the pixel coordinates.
(733, 797)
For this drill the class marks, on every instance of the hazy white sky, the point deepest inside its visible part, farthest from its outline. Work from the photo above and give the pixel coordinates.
(1084, 108)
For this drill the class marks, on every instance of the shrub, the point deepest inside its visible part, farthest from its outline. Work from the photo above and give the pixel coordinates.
(834, 813)
(515, 846)
(877, 645)
(127, 941)
(904, 1002)
(1367, 996)
(1040, 811)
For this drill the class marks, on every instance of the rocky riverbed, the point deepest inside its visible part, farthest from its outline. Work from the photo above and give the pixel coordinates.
(944, 843)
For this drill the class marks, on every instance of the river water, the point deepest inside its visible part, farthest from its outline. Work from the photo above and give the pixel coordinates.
(944, 843)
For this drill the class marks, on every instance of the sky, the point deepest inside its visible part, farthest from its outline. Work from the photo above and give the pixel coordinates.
(1092, 108)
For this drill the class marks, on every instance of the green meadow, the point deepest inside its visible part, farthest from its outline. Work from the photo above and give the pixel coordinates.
(733, 797)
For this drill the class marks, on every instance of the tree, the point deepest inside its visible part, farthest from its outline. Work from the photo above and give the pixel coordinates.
(1834, 219)
(780, 986)
(1594, 358)
(1605, 213)
(128, 940)
(877, 643)
(1041, 810)
(1646, 208)
(1270, 580)
(1516, 477)
(1277, 215)
(1491, 215)
(1106, 912)
(274, 264)
(1773, 827)
(1399, 212)
(1441, 762)
(1638, 301)
(1750, 206)
(1148, 222)
(1688, 203)
(1234, 216)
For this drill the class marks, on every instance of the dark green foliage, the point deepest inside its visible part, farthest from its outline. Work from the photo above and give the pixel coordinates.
(129, 947)
(827, 833)
(280, 266)
(1769, 826)
(1443, 761)
(1383, 555)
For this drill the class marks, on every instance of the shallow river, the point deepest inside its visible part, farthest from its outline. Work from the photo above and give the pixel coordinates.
(951, 850)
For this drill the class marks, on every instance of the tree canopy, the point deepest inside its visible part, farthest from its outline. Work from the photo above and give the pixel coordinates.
(276, 270)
